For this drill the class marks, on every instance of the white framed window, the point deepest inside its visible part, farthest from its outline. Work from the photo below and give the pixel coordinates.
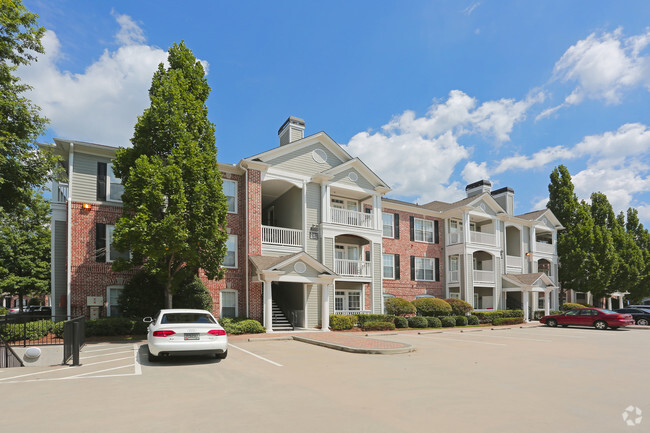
(389, 224)
(343, 203)
(540, 301)
(423, 230)
(114, 187)
(389, 266)
(112, 301)
(424, 269)
(111, 252)
(230, 261)
(454, 294)
(230, 191)
(347, 300)
(228, 303)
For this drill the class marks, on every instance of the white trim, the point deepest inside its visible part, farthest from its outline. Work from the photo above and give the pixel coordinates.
(108, 297)
(109, 167)
(221, 292)
(424, 231)
(433, 268)
(223, 181)
(392, 225)
(383, 277)
(236, 240)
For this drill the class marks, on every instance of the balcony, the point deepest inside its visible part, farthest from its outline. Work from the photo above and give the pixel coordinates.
(514, 261)
(454, 276)
(455, 238)
(352, 218)
(282, 236)
(483, 276)
(60, 194)
(543, 247)
(482, 238)
(352, 312)
(352, 268)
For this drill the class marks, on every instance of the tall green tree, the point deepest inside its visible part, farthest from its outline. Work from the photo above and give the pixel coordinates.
(25, 248)
(23, 166)
(174, 209)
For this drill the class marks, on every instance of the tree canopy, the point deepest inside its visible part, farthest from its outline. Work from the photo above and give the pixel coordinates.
(174, 209)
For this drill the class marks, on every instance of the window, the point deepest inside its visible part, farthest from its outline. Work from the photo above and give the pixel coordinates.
(347, 300)
(230, 261)
(228, 303)
(454, 294)
(112, 306)
(540, 302)
(423, 230)
(111, 252)
(424, 269)
(114, 187)
(389, 266)
(389, 225)
(230, 191)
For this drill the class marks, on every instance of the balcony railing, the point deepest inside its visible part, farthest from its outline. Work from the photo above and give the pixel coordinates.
(352, 268)
(61, 193)
(482, 238)
(352, 218)
(543, 247)
(455, 238)
(352, 312)
(484, 276)
(514, 261)
(454, 276)
(281, 236)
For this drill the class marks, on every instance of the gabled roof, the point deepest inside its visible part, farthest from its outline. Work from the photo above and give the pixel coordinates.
(359, 165)
(266, 263)
(539, 214)
(441, 206)
(322, 137)
(528, 280)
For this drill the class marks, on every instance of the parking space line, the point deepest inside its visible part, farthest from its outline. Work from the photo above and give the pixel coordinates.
(107, 354)
(256, 356)
(136, 360)
(95, 372)
(97, 350)
(517, 338)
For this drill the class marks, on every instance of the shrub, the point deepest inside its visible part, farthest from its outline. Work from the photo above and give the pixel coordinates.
(540, 313)
(143, 296)
(432, 307)
(340, 322)
(363, 318)
(433, 322)
(507, 321)
(418, 322)
(378, 326)
(31, 330)
(570, 306)
(448, 321)
(459, 307)
(241, 325)
(489, 316)
(3, 311)
(399, 307)
(114, 326)
(512, 313)
(472, 320)
(193, 294)
(401, 322)
(461, 321)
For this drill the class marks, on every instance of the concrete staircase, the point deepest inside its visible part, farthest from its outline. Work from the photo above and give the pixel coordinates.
(279, 320)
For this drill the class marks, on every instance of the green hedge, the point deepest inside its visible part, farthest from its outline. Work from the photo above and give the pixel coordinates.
(432, 307)
(34, 330)
(378, 326)
(241, 325)
(401, 322)
(3, 311)
(399, 306)
(489, 316)
(115, 326)
(540, 313)
(570, 306)
(507, 321)
(418, 322)
(459, 307)
(448, 321)
(362, 319)
(341, 322)
(434, 322)
(461, 320)
(472, 320)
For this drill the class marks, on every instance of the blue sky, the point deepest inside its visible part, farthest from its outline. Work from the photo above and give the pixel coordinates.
(431, 95)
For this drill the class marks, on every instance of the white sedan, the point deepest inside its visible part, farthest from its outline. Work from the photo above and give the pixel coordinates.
(185, 332)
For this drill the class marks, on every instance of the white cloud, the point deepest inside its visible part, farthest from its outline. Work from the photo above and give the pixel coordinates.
(101, 104)
(473, 172)
(469, 9)
(619, 184)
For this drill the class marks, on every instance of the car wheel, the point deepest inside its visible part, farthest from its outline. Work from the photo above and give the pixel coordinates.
(551, 322)
(601, 325)
(151, 357)
(642, 322)
(221, 355)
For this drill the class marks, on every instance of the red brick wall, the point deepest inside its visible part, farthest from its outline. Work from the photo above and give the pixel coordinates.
(405, 287)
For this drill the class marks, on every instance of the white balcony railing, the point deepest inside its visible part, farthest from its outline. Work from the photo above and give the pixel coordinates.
(484, 276)
(352, 268)
(454, 276)
(455, 238)
(281, 236)
(352, 218)
(61, 193)
(483, 238)
(514, 261)
(352, 312)
(542, 247)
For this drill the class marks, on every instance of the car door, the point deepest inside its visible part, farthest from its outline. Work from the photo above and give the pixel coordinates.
(586, 317)
(568, 318)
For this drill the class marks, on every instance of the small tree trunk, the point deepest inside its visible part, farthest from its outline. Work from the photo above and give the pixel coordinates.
(168, 297)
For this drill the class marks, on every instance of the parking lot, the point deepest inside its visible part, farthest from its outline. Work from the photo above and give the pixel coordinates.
(509, 380)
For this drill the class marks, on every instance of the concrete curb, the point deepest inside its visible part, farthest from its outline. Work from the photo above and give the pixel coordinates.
(405, 349)
(288, 337)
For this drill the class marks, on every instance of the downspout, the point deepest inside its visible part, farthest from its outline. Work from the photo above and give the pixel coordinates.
(69, 237)
(247, 247)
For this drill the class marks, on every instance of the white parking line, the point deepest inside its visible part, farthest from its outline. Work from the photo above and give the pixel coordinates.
(516, 338)
(64, 368)
(84, 350)
(256, 356)
(106, 354)
(99, 371)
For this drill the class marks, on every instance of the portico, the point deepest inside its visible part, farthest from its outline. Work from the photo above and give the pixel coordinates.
(528, 285)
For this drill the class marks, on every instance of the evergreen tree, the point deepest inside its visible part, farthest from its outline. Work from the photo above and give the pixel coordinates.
(174, 209)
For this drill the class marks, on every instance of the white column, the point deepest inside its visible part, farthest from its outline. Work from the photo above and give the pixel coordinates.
(376, 206)
(466, 237)
(325, 315)
(547, 303)
(268, 306)
(324, 197)
(524, 298)
(609, 302)
(620, 301)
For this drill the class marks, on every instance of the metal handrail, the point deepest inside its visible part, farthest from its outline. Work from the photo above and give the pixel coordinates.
(8, 358)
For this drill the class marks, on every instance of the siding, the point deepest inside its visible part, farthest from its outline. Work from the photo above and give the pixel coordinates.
(360, 182)
(84, 178)
(310, 272)
(60, 258)
(313, 305)
(328, 260)
(301, 161)
(470, 279)
(313, 217)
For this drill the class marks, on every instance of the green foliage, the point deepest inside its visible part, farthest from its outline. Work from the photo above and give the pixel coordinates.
(461, 321)
(31, 330)
(143, 296)
(401, 322)
(448, 321)
(399, 307)
(3, 311)
(540, 313)
(472, 320)
(174, 211)
(241, 325)
(570, 306)
(341, 322)
(433, 322)
(363, 318)
(378, 326)
(115, 326)
(193, 294)
(507, 321)
(418, 322)
(459, 307)
(489, 316)
(432, 307)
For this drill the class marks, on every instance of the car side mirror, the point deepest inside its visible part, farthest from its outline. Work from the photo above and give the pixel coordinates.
(147, 320)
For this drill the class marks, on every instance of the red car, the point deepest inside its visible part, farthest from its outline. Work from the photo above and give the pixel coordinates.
(597, 317)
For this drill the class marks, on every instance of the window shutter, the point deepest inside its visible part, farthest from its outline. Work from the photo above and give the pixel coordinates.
(397, 276)
(412, 267)
(367, 209)
(412, 222)
(436, 236)
(396, 226)
(100, 241)
(437, 265)
(101, 181)
(367, 256)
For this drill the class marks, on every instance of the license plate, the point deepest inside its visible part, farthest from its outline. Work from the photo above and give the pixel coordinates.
(192, 336)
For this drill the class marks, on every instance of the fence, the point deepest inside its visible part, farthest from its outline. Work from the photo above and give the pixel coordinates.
(8, 357)
(74, 338)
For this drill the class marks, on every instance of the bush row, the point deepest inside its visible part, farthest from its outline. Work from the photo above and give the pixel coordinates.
(490, 316)
(540, 313)
(241, 325)
(115, 326)
(507, 321)
(33, 331)
(367, 322)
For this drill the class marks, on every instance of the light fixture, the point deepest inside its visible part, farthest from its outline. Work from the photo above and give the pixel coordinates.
(86, 206)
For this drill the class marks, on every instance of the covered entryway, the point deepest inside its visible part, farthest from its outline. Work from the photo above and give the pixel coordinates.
(527, 285)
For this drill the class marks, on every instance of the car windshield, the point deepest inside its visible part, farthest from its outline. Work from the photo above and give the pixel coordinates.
(187, 318)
